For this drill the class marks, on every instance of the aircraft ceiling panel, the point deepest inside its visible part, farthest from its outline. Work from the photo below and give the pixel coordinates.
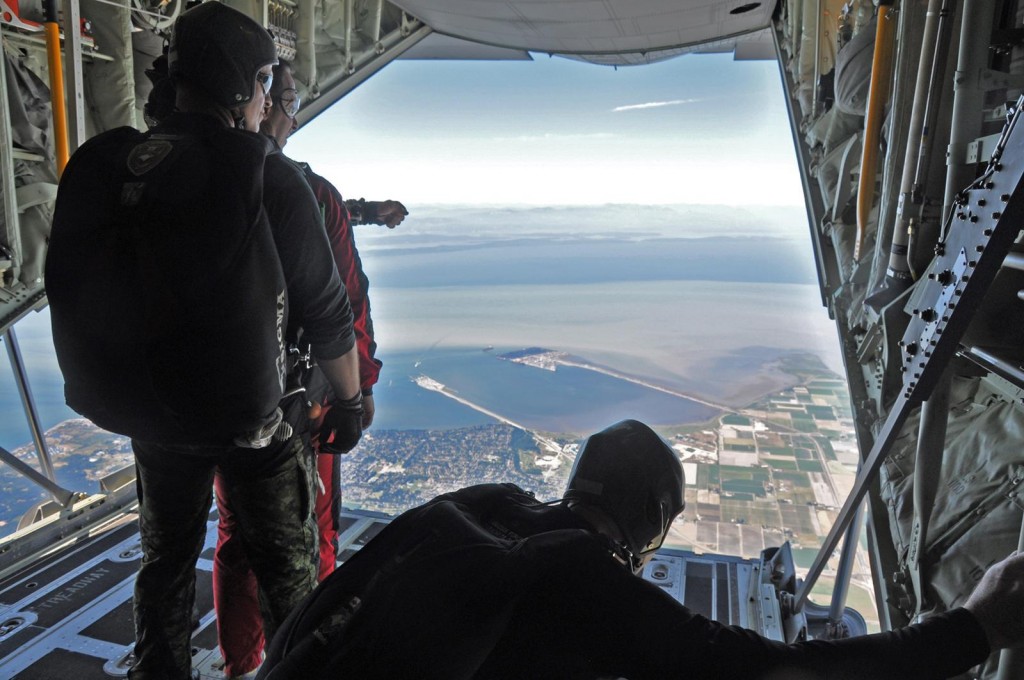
(437, 46)
(757, 48)
(596, 30)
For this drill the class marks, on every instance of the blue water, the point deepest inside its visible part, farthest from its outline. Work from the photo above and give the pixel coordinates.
(634, 304)
(567, 400)
(645, 328)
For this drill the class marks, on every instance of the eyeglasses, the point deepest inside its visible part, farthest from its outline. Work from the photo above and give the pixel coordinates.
(266, 79)
(289, 102)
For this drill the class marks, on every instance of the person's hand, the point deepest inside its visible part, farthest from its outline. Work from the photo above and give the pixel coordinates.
(368, 410)
(998, 602)
(389, 213)
(342, 426)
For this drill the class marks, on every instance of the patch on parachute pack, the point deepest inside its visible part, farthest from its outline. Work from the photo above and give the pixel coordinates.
(148, 155)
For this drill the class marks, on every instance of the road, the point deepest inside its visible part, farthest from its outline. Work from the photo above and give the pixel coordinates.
(428, 383)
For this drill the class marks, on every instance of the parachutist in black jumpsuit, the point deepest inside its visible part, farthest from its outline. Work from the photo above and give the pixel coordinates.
(487, 583)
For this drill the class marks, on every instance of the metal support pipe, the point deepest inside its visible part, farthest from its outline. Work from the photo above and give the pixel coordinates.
(878, 96)
(898, 273)
(56, 71)
(12, 225)
(968, 97)
(844, 573)
(817, 59)
(306, 47)
(60, 494)
(350, 27)
(931, 445)
(28, 402)
(937, 76)
(869, 469)
(1014, 261)
(927, 146)
(1009, 371)
(376, 16)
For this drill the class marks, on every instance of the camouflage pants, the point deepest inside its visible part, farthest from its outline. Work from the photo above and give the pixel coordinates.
(272, 491)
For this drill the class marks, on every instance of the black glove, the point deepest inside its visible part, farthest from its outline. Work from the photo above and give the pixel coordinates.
(343, 425)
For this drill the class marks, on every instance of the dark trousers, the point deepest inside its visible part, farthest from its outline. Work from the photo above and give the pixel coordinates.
(272, 492)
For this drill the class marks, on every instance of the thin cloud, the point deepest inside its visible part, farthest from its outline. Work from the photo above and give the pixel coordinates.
(654, 105)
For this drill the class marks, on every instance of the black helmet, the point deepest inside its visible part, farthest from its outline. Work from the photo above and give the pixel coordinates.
(635, 478)
(219, 50)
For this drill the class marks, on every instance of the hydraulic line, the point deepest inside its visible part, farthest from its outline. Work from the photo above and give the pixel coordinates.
(878, 97)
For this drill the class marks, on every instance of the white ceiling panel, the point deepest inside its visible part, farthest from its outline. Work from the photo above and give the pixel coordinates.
(605, 31)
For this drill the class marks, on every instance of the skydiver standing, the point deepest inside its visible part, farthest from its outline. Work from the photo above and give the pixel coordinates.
(340, 216)
(235, 593)
(220, 61)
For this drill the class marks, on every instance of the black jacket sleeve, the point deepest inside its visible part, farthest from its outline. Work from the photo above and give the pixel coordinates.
(317, 299)
(624, 626)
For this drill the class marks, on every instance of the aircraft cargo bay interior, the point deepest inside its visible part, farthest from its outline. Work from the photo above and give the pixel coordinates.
(604, 222)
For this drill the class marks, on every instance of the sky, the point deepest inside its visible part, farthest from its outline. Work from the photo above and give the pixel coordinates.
(697, 129)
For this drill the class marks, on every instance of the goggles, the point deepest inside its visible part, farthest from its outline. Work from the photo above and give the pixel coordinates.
(289, 101)
(266, 79)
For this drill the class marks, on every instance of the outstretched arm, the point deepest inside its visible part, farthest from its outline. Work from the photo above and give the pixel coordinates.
(386, 213)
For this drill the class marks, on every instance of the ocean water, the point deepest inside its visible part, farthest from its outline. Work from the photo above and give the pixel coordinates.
(698, 315)
(566, 400)
(694, 336)
(690, 335)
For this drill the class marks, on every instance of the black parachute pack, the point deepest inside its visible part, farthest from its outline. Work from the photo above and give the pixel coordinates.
(428, 597)
(167, 298)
